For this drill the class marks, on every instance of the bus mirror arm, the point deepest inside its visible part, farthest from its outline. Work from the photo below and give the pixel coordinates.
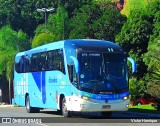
(134, 69)
(76, 63)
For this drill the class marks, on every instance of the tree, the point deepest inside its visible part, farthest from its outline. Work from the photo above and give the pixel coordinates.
(81, 24)
(11, 42)
(139, 37)
(22, 14)
(92, 21)
(106, 3)
(152, 57)
(134, 38)
(42, 39)
(131, 5)
(72, 5)
(109, 24)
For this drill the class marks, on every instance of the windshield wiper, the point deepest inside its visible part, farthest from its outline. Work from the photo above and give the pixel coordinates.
(113, 84)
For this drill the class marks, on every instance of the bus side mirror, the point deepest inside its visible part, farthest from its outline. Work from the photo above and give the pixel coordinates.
(134, 69)
(76, 63)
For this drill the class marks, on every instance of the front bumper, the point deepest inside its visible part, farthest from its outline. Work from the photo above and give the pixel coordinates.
(82, 105)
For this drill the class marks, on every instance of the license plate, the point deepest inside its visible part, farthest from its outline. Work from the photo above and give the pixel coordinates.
(106, 107)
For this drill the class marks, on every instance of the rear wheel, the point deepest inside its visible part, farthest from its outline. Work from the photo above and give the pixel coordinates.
(29, 108)
(65, 112)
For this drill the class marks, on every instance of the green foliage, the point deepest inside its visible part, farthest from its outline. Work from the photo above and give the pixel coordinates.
(92, 21)
(137, 87)
(72, 5)
(108, 25)
(105, 3)
(140, 39)
(22, 14)
(152, 57)
(42, 39)
(11, 42)
(134, 38)
(135, 5)
(81, 24)
(58, 24)
(153, 88)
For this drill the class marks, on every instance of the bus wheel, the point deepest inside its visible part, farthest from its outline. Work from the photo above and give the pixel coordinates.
(29, 108)
(106, 114)
(65, 112)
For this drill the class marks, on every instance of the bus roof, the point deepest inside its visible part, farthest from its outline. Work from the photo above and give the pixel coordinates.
(74, 43)
(78, 43)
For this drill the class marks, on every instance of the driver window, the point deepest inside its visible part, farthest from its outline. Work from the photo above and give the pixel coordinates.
(72, 74)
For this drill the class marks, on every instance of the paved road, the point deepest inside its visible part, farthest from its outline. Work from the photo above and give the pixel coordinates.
(50, 117)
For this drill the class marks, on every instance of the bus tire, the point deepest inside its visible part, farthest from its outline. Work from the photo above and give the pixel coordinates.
(65, 112)
(106, 114)
(29, 108)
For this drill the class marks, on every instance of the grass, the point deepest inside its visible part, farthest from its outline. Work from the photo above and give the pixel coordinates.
(144, 109)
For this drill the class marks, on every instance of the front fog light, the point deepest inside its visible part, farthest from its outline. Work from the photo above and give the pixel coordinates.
(82, 105)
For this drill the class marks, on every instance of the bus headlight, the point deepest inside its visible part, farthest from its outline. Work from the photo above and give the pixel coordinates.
(125, 98)
(85, 98)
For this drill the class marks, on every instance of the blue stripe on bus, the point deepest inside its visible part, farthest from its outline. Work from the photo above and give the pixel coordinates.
(40, 79)
(37, 79)
(44, 87)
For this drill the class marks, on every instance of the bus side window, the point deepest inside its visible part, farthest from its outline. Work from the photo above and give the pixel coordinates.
(26, 64)
(22, 64)
(33, 65)
(49, 61)
(56, 60)
(17, 67)
(59, 60)
(42, 61)
(17, 64)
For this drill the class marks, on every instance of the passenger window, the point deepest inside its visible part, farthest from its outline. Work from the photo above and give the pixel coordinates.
(33, 65)
(49, 60)
(42, 61)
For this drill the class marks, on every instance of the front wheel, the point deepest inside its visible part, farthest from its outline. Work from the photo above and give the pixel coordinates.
(29, 108)
(65, 112)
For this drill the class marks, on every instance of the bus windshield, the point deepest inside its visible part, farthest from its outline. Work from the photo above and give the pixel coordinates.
(102, 72)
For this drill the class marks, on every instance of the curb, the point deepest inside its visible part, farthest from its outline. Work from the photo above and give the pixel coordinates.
(2, 106)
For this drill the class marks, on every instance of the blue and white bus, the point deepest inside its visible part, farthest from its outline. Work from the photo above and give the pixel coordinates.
(79, 75)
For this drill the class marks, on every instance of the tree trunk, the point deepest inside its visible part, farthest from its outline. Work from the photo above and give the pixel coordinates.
(10, 102)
